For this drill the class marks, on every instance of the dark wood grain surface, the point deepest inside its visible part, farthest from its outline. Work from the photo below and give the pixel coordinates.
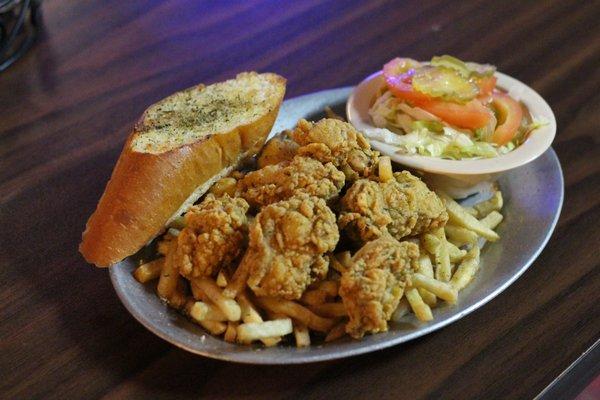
(66, 108)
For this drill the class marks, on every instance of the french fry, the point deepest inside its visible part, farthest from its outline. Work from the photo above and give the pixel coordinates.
(173, 232)
(250, 315)
(169, 276)
(385, 169)
(320, 293)
(430, 243)
(471, 210)
(178, 223)
(336, 332)
(189, 303)
(228, 306)
(458, 216)
(332, 310)
(329, 113)
(402, 309)
(426, 268)
(455, 253)
(460, 236)
(443, 271)
(440, 249)
(231, 332)
(337, 265)
(214, 327)
(297, 312)
(443, 290)
(330, 287)
(177, 299)
(249, 332)
(274, 315)
(203, 311)
(163, 246)
(495, 203)
(492, 220)
(223, 186)
(429, 298)
(272, 341)
(466, 270)
(149, 271)
(345, 258)
(198, 294)
(421, 310)
(314, 297)
(301, 335)
(221, 279)
(238, 281)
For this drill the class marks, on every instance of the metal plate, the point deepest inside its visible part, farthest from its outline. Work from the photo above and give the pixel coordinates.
(533, 199)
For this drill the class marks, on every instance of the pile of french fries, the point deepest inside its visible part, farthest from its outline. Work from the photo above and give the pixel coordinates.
(450, 258)
(224, 307)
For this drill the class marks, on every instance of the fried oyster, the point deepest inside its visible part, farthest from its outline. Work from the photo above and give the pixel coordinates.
(402, 206)
(288, 242)
(214, 236)
(430, 209)
(338, 142)
(281, 181)
(373, 285)
(277, 149)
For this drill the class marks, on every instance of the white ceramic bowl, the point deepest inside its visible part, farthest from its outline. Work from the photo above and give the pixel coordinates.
(460, 178)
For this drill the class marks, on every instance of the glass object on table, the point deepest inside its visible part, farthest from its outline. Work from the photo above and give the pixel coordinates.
(19, 25)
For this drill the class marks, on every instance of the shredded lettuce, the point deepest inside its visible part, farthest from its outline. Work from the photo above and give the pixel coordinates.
(450, 144)
(416, 131)
(433, 126)
(527, 127)
(398, 125)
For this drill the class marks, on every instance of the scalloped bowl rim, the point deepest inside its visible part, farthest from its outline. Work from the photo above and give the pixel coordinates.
(537, 143)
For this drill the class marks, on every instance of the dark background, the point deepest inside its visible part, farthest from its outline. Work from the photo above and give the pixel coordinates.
(67, 106)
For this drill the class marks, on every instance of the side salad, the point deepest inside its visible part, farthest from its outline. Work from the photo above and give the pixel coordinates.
(448, 108)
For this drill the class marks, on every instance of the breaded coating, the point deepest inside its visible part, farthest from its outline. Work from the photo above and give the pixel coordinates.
(431, 211)
(214, 236)
(370, 209)
(372, 287)
(338, 142)
(276, 150)
(403, 206)
(288, 242)
(281, 181)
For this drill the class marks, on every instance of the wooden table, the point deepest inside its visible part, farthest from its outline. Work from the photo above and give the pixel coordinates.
(66, 108)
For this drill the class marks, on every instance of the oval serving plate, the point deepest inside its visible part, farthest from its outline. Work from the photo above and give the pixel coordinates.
(533, 199)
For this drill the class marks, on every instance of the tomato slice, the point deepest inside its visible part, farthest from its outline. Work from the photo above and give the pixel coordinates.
(486, 85)
(471, 115)
(399, 66)
(401, 87)
(510, 115)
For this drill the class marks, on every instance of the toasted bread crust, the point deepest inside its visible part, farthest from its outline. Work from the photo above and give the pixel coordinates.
(145, 189)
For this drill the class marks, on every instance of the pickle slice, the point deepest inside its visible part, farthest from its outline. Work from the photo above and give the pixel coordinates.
(444, 83)
(452, 63)
(465, 69)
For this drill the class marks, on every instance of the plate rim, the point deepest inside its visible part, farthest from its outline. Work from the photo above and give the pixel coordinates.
(372, 347)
